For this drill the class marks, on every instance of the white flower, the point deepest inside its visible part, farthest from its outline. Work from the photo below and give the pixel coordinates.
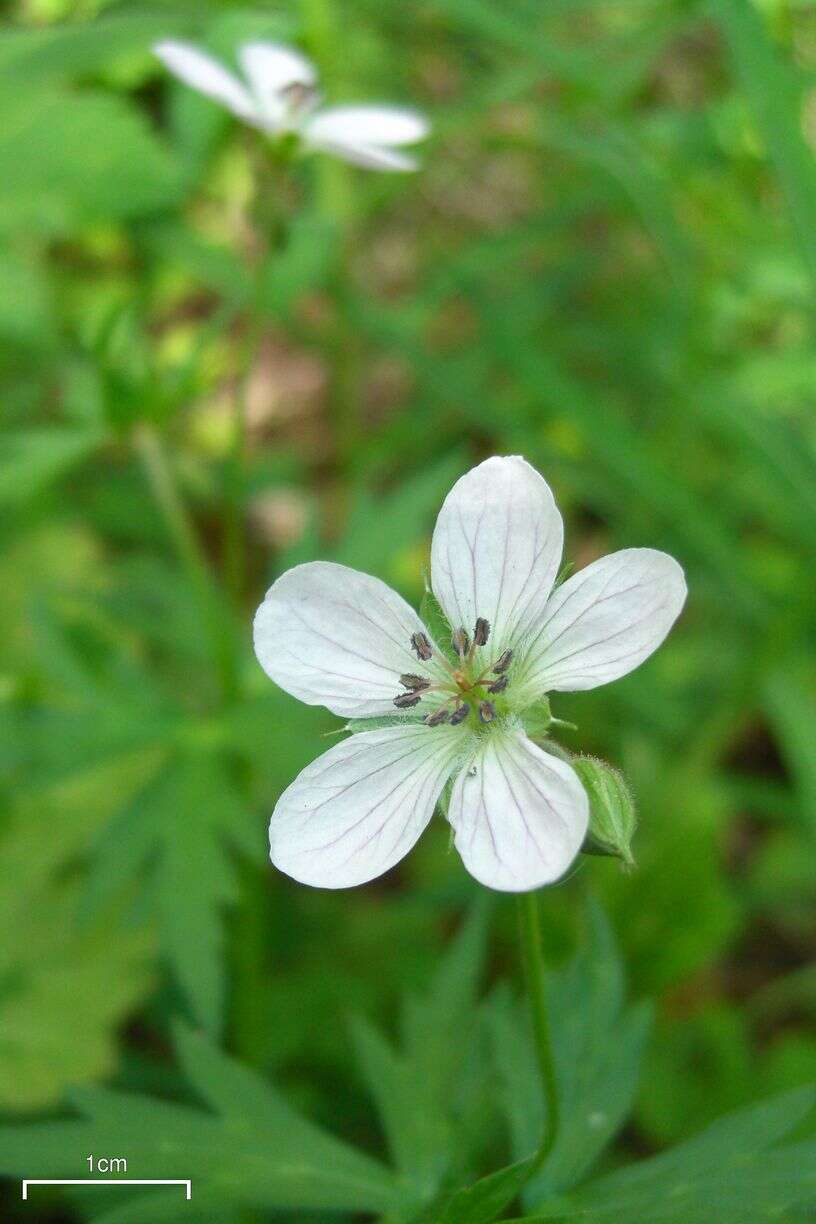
(335, 637)
(279, 94)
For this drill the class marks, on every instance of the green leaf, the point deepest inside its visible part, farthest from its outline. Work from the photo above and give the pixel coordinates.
(32, 459)
(732, 1173)
(64, 52)
(251, 1149)
(26, 308)
(65, 986)
(96, 155)
(417, 1087)
(487, 1198)
(598, 1040)
(382, 529)
(775, 96)
(790, 702)
(184, 830)
(303, 264)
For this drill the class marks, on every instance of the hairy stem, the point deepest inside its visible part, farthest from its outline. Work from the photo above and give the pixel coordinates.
(533, 956)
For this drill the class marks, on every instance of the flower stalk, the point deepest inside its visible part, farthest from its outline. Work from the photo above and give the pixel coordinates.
(533, 956)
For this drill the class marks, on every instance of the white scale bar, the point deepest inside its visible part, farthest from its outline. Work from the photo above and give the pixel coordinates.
(113, 1181)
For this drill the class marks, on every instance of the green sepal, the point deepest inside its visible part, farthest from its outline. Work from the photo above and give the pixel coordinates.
(537, 719)
(356, 725)
(437, 624)
(612, 812)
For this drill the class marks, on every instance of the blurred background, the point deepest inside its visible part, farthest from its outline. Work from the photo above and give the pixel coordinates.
(215, 363)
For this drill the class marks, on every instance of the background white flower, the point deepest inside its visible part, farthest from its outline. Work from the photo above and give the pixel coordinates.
(335, 637)
(279, 94)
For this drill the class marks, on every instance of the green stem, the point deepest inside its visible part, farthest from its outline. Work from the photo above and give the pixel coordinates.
(167, 497)
(161, 479)
(234, 525)
(324, 26)
(530, 929)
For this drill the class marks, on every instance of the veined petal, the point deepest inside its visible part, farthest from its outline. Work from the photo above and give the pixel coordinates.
(604, 621)
(519, 815)
(370, 157)
(359, 808)
(496, 549)
(335, 637)
(368, 125)
(207, 75)
(272, 68)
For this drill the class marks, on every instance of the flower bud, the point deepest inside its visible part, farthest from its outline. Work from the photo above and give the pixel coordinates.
(612, 814)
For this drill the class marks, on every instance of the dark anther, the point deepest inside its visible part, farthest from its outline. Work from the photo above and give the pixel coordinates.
(460, 714)
(481, 632)
(461, 643)
(414, 683)
(503, 662)
(421, 645)
(487, 711)
(498, 686)
(439, 716)
(406, 700)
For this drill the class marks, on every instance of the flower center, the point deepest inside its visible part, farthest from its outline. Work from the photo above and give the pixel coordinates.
(467, 687)
(299, 100)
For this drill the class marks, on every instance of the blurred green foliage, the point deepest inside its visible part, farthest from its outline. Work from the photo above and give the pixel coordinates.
(215, 364)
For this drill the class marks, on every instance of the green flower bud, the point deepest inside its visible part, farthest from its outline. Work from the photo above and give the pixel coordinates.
(612, 814)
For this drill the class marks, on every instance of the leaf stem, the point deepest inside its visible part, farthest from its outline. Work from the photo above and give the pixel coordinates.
(530, 931)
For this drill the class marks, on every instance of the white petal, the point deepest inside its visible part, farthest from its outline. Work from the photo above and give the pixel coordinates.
(367, 156)
(272, 68)
(368, 125)
(519, 814)
(359, 808)
(205, 74)
(335, 637)
(605, 620)
(496, 549)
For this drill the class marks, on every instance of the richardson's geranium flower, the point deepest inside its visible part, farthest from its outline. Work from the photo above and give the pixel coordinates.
(456, 719)
(279, 95)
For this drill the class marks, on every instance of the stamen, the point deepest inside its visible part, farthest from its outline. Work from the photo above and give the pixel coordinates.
(503, 662)
(405, 700)
(487, 711)
(459, 714)
(439, 716)
(414, 683)
(481, 632)
(422, 646)
(461, 643)
(498, 686)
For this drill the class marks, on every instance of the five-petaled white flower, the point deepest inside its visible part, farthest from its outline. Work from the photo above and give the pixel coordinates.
(335, 637)
(279, 95)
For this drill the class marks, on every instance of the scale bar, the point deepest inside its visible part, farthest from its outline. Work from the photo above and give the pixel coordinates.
(112, 1181)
